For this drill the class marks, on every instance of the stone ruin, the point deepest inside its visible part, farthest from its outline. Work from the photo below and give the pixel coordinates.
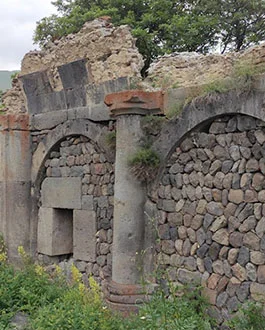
(68, 196)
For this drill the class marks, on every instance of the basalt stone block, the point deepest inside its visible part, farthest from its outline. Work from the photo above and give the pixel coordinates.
(76, 98)
(49, 102)
(84, 235)
(62, 193)
(55, 231)
(186, 276)
(36, 83)
(74, 74)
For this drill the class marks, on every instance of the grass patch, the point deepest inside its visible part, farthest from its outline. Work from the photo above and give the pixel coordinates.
(144, 164)
(249, 317)
(51, 303)
(240, 81)
(111, 139)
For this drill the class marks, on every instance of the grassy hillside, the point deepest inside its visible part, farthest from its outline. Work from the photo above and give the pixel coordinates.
(5, 79)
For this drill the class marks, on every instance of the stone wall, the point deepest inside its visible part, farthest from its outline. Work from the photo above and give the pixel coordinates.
(211, 221)
(77, 157)
(194, 69)
(109, 53)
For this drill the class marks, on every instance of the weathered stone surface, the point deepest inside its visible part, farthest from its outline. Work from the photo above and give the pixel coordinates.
(215, 208)
(213, 281)
(168, 246)
(214, 250)
(187, 277)
(239, 272)
(175, 219)
(251, 241)
(248, 224)
(208, 264)
(169, 205)
(251, 272)
(257, 258)
(252, 165)
(257, 291)
(242, 291)
(221, 236)
(84, 235)
(62, 193)
(186, 247)
(243, 256)
(164, 231)
(210, 295)
(221, 299)
(235, 196)
(219, 223)
(236, 239)
(55, 231)
(261, 274)
(218, 267)
(179, 246)
(258, 181)
(260, 229)
(202, 250)
(232, 256)
(176, 260)
(261, 196)
(232, 304)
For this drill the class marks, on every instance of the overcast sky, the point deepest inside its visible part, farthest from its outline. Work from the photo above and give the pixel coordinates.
(17, 23)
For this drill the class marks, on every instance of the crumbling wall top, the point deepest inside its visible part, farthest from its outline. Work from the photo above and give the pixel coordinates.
(110, 53)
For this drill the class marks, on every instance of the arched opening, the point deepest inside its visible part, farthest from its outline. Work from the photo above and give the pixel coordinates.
(75, 206)
(211, 206)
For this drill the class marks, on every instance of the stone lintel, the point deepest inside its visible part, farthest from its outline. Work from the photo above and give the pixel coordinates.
(63, 193)
(19, 122)
(135, 102)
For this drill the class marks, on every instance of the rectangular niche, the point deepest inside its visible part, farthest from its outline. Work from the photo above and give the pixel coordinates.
(55, 231)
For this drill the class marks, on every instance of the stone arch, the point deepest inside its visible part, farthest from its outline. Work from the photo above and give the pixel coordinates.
(196, 114)
(94, 132)
(211, 219)
(82, 203)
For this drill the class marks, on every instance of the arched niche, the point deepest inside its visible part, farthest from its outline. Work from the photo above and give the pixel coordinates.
(210, 207)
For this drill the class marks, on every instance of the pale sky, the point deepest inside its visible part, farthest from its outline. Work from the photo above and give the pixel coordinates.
(17, 23)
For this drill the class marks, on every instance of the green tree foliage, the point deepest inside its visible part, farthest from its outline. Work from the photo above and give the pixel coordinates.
(165, 26)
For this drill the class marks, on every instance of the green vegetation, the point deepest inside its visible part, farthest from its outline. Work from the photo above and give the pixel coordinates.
(250, 317)
(144, 164)
(165, 26)
(50, 302)
(151, 126)
(241, 81)
(111, 139)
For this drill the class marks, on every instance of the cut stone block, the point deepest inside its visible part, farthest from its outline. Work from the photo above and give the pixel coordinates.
(55, 231)
(84, 235)
(62, 193)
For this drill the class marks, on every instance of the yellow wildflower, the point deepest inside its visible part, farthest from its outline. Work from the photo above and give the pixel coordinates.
(39, 270)
(3, 257)
(76, 275)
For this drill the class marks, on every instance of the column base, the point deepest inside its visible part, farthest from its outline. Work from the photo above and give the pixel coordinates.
(126, 298)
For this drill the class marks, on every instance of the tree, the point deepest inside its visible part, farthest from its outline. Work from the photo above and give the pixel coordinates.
(165, 26)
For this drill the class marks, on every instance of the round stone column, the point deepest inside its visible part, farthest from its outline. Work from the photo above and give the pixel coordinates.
(129, 195)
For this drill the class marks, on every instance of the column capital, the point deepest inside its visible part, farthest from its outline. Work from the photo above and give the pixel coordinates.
(135, 102)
